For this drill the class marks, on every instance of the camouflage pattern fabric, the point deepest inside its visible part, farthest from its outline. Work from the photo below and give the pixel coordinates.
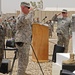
(64, 30)
(23, 34)
(2, 42)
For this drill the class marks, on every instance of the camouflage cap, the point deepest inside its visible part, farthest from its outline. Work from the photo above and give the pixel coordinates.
(64, 10)
(25, 4)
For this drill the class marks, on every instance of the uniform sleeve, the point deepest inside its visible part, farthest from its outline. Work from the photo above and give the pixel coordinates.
(18, 23)
(29, 18)
(55, 18)
(24, 20)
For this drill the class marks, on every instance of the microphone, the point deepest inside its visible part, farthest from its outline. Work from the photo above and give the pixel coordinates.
(44, 18)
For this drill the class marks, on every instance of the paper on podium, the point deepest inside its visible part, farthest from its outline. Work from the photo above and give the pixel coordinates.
(44, 24)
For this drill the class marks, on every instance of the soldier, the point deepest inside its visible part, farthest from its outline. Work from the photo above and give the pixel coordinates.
(23, 36)
(2, 42)
(51, 27)
(13, 26)
(4, 23)
(63, 29)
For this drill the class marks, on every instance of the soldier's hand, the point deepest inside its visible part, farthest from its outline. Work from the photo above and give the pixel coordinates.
(58, 14)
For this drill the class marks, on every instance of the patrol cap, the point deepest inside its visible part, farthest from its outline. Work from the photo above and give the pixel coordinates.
(25, 4)
(64, 11)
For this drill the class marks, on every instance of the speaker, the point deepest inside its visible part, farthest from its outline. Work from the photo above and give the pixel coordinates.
(66, 72)
(5, 66)
(69, 67)
(57, 49)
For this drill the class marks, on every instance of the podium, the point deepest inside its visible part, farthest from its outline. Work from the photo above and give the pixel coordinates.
(40, 36)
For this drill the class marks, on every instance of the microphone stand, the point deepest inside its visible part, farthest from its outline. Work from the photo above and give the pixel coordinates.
(15, 59)
(13, 62)
(37, 60)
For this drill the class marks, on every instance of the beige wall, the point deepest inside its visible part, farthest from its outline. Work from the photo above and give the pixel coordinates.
(17, 13)
(40, 14)
(49, 14)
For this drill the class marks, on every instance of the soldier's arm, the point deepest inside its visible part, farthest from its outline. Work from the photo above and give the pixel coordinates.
(27, 19)
(30, 16)
(55, 17)
(21, 20)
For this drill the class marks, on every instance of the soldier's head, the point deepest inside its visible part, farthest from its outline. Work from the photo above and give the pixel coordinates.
(25, 7)
(64, 13)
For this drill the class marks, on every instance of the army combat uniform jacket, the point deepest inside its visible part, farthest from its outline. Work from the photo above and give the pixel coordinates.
(63, 25)
(24, 31)
(23, 35)
(64, 31)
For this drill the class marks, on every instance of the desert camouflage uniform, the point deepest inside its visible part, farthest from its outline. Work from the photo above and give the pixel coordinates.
(63, 31)
(23, 34)
(13, 27)
(8, 30)
(51, 28)
(2, 41)
(4, 23)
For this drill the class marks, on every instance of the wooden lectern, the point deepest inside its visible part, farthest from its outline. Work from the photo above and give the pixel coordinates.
(40, 36)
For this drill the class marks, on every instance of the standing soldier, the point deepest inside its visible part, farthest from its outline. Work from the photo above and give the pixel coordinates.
(13, 26)
(63, 29)
(2, 42)
(23, 37)
(9, 32)
(4, 23)
(51, 27)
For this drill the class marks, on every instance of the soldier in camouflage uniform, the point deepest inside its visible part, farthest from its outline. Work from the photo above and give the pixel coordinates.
(63, 29)
(23, 37)
(2, 41)
(13, 26)
(51, 27)
(4, 23)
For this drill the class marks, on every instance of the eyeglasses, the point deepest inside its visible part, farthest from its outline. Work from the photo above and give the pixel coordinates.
(64, 12)
(28, 7)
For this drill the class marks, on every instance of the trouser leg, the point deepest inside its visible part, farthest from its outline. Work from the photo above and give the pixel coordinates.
(66, 43)
(23, 59)
(60, 40)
